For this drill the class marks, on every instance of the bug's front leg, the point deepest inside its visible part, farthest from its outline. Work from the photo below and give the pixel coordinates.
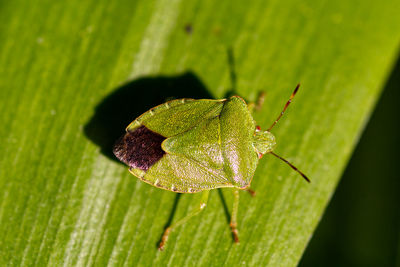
(251, 191)
(169, 229)
(233, 223)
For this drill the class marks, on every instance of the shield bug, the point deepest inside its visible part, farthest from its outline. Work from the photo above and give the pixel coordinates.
(189, 146)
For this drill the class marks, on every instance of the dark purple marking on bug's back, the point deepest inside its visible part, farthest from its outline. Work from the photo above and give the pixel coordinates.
(140, 148)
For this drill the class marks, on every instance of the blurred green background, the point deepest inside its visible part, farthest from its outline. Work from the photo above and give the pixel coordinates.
(74, 73)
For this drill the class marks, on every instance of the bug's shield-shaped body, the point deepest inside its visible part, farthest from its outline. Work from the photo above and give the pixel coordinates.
(191, 145)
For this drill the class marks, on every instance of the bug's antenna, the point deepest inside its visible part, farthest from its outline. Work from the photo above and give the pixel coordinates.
(291, 165)
(286, 106)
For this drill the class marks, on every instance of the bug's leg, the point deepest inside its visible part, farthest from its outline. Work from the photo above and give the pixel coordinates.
(251, 191)
(256, 106)
(260, 101)
(169, 229)
(233, 223)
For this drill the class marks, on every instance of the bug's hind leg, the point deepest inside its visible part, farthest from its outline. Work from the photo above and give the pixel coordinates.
(169, 229)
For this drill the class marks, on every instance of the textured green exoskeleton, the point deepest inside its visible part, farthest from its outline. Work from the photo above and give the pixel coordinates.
(188, 146)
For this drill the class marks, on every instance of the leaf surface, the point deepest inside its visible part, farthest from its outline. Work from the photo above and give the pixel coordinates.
(74, 73)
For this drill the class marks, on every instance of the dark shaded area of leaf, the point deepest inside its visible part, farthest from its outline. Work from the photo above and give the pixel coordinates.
(362, 223)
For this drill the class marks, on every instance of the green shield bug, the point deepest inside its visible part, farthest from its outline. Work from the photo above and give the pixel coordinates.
(189, 146)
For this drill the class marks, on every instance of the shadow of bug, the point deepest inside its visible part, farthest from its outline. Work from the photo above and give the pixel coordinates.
(129, 101)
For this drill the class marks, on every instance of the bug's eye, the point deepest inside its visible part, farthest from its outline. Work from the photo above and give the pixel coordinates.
(263, 141)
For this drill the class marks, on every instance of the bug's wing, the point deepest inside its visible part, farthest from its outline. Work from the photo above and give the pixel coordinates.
(189, 126)
(181, 174)
(201, 144)
(193, 160)
(177, 116)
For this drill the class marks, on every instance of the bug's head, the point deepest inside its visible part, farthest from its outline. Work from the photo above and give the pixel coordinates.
(264, 141)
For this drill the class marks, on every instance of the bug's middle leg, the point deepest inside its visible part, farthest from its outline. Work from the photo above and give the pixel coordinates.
(233, 223)
(169, 229)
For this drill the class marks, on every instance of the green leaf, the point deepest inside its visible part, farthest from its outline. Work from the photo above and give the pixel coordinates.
(74, 73)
